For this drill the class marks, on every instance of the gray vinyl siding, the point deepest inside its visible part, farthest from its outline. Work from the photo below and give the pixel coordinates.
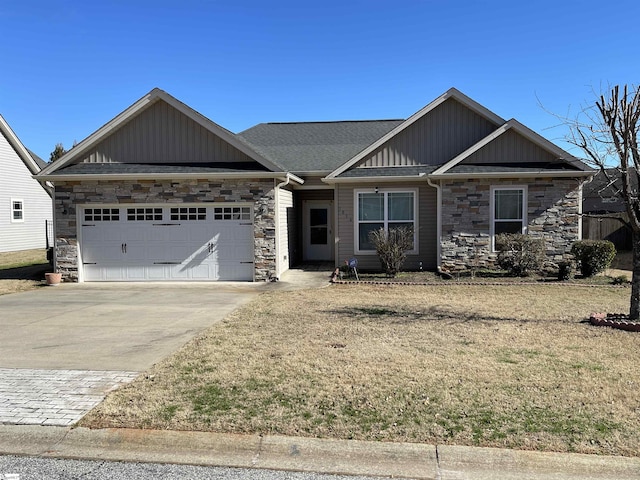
(434, 139)
(427, 227)
(162, 134)
(286, 227)
(16, 183)
(512, 148)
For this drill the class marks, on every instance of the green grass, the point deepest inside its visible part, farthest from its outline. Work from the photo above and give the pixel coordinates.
(23, 258)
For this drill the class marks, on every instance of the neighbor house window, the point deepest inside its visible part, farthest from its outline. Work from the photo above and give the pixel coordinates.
(17, 211)
(509, 210)
(383, 209)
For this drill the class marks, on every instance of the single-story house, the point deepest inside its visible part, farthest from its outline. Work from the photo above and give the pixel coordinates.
(25, 203)
(161, 192)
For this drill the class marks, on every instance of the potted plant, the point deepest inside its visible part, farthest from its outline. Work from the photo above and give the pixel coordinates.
(53, 278)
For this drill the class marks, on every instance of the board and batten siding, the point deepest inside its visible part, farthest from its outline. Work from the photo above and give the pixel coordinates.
(427, 226)
(434, 139)
(16, 183)
(162, 134)
(512, 148)
(286, 229)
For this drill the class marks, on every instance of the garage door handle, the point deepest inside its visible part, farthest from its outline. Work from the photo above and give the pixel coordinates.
(123, 247)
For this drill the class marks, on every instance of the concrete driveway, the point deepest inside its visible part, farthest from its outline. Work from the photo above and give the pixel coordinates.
(110, 326)
(62, 349)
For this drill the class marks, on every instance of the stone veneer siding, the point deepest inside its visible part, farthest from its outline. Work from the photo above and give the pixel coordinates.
(260, 192)
(553, 213)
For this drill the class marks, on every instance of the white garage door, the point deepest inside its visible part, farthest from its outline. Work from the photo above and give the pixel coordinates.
(167, 243)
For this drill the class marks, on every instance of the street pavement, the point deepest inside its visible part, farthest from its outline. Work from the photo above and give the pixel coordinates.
(34, 468)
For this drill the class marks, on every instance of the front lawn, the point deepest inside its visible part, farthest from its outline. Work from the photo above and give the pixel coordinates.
(508, 366)
(22, 270)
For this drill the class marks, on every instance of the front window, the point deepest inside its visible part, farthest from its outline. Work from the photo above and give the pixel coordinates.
(386, 210)
(17, 211)
(509, 210)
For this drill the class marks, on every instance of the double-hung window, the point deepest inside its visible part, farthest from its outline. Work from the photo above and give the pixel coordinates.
(384, 209)
(17, 211)
(509, 210)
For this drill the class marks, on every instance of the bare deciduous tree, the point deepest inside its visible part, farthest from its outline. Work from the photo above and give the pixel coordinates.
(608, 134)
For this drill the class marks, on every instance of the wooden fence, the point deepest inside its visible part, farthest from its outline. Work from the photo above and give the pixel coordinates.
(607, 227)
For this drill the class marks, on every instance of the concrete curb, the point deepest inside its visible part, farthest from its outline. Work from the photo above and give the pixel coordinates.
(347, 457)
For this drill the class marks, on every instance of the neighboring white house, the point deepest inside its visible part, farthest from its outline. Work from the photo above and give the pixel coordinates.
(25, 205)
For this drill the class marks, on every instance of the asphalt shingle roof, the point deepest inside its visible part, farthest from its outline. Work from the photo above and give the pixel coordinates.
(315, 146)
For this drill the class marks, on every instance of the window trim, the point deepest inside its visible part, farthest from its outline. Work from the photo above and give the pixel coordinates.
(385, 221)
(14, 210)
(492, 205)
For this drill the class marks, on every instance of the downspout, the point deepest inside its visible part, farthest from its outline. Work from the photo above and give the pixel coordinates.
(277, 217)
(438, 221)
(580, 199)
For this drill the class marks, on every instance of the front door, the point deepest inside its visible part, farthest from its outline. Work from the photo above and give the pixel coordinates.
(318, 233)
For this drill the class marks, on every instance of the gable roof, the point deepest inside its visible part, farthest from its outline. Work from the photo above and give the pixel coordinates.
(452, 93)
(153, 96)
(565, 159)
(315, 146)
(30, 159)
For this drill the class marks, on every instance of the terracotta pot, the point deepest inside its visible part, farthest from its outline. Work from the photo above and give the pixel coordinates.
(53, 278)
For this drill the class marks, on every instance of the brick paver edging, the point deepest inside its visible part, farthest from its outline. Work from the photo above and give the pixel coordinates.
(54, 397)
(614, 320)
(489, 284)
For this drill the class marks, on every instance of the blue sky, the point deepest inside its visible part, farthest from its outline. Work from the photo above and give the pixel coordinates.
(71, 66)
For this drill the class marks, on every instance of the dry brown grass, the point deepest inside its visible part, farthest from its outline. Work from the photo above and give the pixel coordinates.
(22, 270)
(509, 366)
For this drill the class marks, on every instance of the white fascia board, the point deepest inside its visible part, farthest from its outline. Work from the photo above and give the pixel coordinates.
(216, 129)
(519, 128)
(389, 179)
(471, 150)
(451, 93)
(167, 176)
(18, 146)
(102, 132)
(151, 97)
(539, 174)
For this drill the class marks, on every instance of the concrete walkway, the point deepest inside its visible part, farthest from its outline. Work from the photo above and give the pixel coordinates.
(405, 460)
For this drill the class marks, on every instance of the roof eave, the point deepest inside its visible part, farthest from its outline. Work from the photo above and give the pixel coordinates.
(452, 93)
(166, 176)
(18, 146)
(151, 97)
(537, 174)
(376, 179)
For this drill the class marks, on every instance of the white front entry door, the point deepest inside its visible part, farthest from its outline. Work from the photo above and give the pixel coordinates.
(167, 243)
(318, 231)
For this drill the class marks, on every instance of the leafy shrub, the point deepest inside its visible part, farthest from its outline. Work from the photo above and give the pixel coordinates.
(391, 247)
(620, 280)
(593, 256)
(520, 254)
(565, 270)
